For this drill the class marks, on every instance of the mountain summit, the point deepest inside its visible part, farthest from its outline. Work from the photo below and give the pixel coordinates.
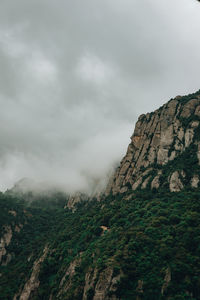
(163, 147)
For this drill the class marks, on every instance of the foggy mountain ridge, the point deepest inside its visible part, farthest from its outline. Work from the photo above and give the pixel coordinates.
(107, 249)
(72, 83)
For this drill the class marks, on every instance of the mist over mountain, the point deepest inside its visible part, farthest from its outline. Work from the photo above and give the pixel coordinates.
(81, 218)
(74, 76)
(138, 240)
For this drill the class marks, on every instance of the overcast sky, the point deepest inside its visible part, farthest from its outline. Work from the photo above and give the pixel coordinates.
(75, 75)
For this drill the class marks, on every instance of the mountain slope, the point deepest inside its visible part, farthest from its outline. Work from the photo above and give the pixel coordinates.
(140, 241)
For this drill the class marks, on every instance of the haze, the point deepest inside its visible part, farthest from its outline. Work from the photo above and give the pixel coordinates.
(75, 75)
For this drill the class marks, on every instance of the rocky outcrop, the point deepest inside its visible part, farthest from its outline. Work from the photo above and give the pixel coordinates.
(4, 242)
(195, 181)
(167, 281)
(156, 181)
(159, 138)
(139, 290)
(101, 286)
(175, 184)
(66, 282)
(33, 283)
(75, 199)
(90, 280)
(106, 285)
(6, 238)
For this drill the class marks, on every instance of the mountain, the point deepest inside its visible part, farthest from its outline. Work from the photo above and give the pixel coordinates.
(138, 240)
(164, 145)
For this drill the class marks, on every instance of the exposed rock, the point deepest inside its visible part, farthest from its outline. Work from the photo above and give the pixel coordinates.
(173, 155)
(123, 189)
(124, 168)
(197, 111)
(33, 283)
(180, 135)
(106, 283)
(194, 124)
(183, 174)
(175, 184)
(189, 108)
(67, 279)
(139, 290)
(156, 181)
(5, 241)
(166, 139)
(198, 153)
(99, 284)
(75, 199)
(158, 138)
(189, 137)
(145, 182)
(167, 280)
(70, 271)
(90, 279)
(195, 181)
(137, 183)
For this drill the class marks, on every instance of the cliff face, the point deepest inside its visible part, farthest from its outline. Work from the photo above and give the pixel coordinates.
(160, 138)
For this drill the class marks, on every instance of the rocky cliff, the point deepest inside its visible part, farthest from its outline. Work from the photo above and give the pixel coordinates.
(141, 241)
(159, 140)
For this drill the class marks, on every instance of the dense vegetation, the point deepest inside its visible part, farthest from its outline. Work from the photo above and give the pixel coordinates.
(148, 233)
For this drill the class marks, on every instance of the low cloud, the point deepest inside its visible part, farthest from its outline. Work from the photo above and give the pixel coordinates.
(75, 76)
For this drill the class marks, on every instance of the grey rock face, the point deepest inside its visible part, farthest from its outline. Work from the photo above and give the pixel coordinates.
(156, 181)
(175, 184)
(167, 279)
(5, 241)
(74, 199)
(159, 138)
(33, 282)
(195, 181)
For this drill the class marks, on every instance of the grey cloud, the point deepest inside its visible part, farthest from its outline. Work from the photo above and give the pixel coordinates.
(74, 76)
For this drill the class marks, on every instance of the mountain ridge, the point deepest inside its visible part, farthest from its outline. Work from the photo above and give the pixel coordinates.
(159, 138)
(137, 243)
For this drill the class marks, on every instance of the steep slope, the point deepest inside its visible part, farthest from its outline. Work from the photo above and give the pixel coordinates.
(161, 139)
(141, 246)
(140, 241)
